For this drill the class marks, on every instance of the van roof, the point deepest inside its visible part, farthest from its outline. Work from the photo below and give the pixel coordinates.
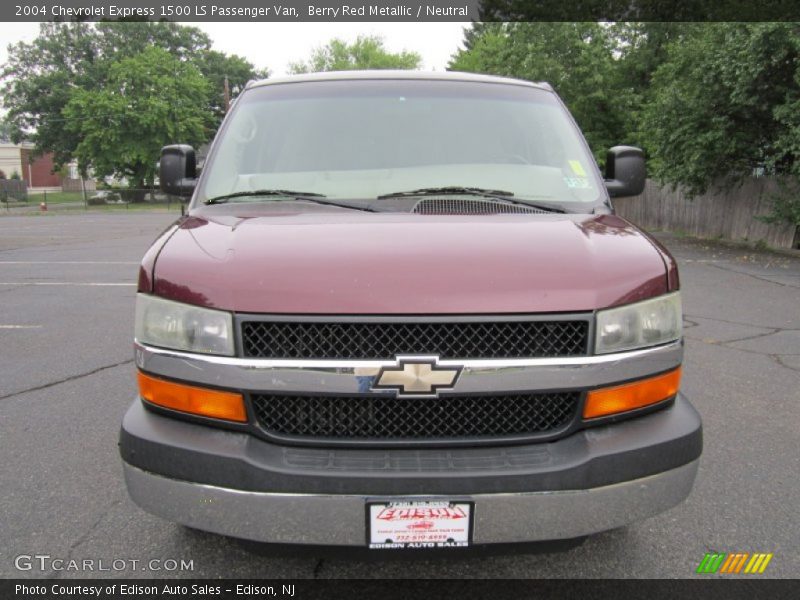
(390, 74)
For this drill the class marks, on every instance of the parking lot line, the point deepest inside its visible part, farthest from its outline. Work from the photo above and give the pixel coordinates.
(68, 262)
(98, 284)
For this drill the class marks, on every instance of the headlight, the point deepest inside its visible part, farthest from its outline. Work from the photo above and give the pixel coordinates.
(647, 323)
(179, 326)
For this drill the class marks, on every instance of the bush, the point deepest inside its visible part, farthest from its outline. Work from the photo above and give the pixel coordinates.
(785, 203)
(103, 197)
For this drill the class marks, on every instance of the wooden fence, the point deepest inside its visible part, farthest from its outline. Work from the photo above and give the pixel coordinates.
(731, 214)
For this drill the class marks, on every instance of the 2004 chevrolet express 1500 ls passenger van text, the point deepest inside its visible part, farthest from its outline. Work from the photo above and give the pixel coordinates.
(401, 313)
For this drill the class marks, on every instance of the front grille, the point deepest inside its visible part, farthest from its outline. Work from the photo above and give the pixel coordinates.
(383, 418)
(385, 340)
(458, 206)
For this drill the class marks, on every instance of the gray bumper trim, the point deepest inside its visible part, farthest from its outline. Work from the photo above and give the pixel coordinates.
(339, 520)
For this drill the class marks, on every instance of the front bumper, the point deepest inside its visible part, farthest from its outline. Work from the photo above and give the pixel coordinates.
(339, 520)
(235, 484)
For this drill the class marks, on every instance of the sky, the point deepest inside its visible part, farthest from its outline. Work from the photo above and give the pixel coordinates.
(275, 45)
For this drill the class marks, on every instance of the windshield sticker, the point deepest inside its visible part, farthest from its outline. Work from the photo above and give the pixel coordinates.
(577, 168)
(577, 182)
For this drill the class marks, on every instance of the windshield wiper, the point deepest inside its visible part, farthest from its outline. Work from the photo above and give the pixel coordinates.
(454, 190)
(307, 196)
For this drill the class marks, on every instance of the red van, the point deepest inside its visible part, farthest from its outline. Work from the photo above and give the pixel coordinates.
(401, 313)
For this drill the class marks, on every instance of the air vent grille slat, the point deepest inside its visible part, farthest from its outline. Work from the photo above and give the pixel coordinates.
(471, 206)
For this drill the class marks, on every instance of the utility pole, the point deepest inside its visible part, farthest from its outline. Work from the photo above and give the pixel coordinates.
(227, 95)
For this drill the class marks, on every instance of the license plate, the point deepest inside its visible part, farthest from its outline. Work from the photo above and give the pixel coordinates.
(419, 524)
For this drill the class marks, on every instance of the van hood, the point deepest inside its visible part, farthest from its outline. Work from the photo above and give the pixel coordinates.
(337, 262)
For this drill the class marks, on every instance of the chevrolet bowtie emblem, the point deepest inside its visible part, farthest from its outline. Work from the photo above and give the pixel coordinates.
(417, 376)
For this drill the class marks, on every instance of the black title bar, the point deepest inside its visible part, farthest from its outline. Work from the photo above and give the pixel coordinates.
(399, 10)
(227, 589)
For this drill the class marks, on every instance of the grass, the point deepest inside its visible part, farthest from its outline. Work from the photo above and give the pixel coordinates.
(60, 209)
(140, 207)
(77, 197)
(71, 201)
(57, 197)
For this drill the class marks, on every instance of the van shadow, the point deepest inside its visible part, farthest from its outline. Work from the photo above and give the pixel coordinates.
(601, 553)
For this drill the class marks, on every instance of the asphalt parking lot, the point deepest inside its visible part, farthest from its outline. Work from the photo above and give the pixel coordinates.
(67, 288)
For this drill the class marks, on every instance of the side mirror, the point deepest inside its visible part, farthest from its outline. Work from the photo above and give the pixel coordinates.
(625, 171)
(177, 170)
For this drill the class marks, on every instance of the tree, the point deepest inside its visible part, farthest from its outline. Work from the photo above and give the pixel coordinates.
(187, 44)
(120, 39)
(117, 39)
(639, 49)
(367, 52)
(726, 102)
(215, 67)
(725, 105)
(5, 131)
(40, 77)
(149, 100)
(577, 59)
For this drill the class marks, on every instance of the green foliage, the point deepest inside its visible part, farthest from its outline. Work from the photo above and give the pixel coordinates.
(5, 131)
(40, 77)
(15, 175)
(785, 209)
(367, 52)
(725, 103)
(785, 202)
(640, 48)
(148, 101)
(187, 44)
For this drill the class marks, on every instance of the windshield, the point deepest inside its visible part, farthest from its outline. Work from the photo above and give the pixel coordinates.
(361, 139)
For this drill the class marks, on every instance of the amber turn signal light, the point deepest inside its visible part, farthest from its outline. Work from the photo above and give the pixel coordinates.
(630, 396)
(193, 400)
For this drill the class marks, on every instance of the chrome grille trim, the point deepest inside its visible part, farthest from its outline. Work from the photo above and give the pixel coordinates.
(478, 375)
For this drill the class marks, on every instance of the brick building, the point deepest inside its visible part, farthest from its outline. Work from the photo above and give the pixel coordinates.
(37, 173)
